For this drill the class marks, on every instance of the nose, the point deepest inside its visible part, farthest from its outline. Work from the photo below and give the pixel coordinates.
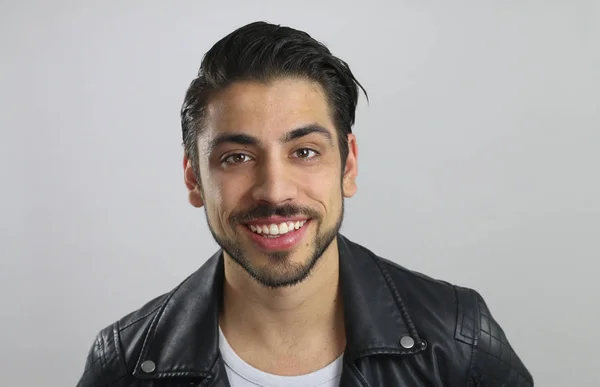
(274, 184)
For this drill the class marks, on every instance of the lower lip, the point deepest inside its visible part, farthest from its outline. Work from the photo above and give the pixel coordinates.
(281, 242)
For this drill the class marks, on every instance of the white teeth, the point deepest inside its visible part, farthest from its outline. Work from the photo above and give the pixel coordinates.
(283, 228)
(277, 229)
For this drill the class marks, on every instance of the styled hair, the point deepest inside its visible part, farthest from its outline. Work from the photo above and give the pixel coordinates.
(265, 52)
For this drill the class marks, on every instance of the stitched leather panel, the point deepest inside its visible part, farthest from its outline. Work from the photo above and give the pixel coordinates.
(467, 321)
(495, 361)
(104, 367)
(93, 375)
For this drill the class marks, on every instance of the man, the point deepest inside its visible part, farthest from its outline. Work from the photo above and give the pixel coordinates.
(288, 300)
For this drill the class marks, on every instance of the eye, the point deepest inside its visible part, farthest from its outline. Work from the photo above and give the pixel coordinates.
(237, 158)
(305, 153)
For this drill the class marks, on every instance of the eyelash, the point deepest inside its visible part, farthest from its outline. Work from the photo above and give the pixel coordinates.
(232, 155)
(225, 160)
(307, 149)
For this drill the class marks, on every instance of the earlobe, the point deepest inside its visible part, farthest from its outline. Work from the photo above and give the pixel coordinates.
(192, 184)
(349, 187)
(195, 198)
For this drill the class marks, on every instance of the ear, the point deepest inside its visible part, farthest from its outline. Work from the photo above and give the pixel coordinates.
(192, 184)
(351, 168)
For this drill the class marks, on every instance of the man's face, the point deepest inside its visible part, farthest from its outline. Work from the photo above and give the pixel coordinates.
(272, 180)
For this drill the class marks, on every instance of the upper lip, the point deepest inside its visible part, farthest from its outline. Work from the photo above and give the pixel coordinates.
(277, 220)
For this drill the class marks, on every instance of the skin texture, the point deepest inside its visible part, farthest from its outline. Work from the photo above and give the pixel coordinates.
(288, 300)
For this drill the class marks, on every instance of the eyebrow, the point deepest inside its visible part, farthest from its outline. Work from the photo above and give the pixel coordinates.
(305, 131)
(245, 139)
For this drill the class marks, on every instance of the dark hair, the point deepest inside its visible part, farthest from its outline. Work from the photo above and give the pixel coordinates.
(264, 52)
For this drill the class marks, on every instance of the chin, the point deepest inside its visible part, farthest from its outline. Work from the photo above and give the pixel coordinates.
(277, 269)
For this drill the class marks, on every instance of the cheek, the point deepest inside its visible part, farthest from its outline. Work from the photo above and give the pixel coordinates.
(233, 188)
(219, 187)
(226, 195)
(324, 188)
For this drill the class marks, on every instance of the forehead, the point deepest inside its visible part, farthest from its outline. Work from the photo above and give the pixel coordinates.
(267, 110)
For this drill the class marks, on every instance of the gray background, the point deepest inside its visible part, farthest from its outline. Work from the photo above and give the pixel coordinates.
(478, 162)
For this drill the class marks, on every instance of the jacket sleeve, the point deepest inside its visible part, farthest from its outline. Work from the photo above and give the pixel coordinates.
(494, 361)
(104, 366)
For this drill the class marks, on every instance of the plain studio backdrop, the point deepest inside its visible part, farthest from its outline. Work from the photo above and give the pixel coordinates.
(478, 162)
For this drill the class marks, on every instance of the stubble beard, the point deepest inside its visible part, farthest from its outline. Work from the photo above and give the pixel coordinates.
(279, 271)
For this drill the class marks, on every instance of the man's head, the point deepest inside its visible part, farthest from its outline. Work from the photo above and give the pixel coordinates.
(267, 131)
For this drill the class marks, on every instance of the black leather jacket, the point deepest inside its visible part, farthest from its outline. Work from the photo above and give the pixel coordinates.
(403, 329)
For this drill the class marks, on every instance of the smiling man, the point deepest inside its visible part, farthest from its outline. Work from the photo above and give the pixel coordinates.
(287, 300)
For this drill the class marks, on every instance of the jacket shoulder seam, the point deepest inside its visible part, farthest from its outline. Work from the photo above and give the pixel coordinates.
(467, 316)
(117, 363)
(118, 349)
(103, 363)
(466, 302)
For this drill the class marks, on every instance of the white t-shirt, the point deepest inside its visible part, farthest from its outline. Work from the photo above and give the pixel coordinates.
(242, 374)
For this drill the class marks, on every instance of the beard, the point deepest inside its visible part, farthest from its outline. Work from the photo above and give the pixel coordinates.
(279, 271)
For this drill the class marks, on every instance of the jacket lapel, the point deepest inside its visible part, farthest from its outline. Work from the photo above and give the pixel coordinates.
(220, 375)
(182, 340)
(351, 376)
(375, 316)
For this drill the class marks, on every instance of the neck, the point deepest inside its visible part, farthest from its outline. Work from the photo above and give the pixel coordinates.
(285, 323)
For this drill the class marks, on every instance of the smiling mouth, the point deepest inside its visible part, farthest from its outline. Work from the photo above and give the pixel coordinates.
(276, 230)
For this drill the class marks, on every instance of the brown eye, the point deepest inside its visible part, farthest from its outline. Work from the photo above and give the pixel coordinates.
(237, 158)
(305, 153)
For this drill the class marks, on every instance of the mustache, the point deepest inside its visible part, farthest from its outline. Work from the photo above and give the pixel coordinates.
(265, 210)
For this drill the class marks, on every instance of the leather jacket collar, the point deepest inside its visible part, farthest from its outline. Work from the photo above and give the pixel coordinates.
(183, 336)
